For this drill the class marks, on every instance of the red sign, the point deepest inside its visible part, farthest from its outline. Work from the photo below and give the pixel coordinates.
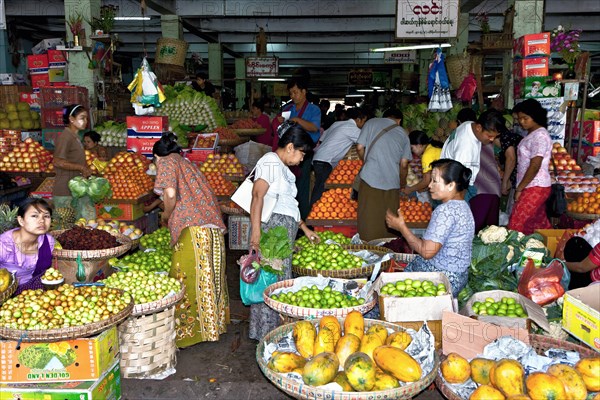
(262, 66)
(148, 124)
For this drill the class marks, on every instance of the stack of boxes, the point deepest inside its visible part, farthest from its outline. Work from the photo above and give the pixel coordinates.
(53, 100)
(143, 132)
(47, 66)
(530, 68)
(590, 141)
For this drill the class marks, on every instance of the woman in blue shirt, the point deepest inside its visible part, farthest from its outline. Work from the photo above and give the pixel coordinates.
(447, 243)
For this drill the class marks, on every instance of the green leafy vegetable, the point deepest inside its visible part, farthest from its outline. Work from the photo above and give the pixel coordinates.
(78, 186)
(98, 189)
(275, 246)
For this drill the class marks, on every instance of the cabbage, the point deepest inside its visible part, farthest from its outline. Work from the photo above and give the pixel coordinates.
(78, 186)
(98, 189)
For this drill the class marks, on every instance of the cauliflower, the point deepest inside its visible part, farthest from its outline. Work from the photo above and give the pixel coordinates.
(520, 236)
(534, 244)
(493, 234)
(511, 253)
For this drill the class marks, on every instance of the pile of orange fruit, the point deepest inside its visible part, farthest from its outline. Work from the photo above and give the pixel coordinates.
(345, 172)
(219, 185)
(335, 204)
(126, 173)
(414, 210)
(586, 203)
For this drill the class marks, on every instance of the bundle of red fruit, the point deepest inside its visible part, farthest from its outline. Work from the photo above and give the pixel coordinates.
(126, 173)
(247, 123)
(27, 156)
(219, 185)
(227, 135)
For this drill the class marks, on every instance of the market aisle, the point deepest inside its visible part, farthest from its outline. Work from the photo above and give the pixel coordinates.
(221, 370)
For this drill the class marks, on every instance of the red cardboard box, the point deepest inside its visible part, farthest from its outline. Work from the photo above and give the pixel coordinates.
(592, 149)
(141, 143)
(38, 64)
(198, 156)
(591, 132)
(148, 124)
(33, 99)
(56, 58)
(40, 80)
(530, 67)
(534, 45)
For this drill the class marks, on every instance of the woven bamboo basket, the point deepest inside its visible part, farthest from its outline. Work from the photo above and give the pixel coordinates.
(364, 271)
(104, 254)
(459, 66)
(311, 313)
(540, 344)
(158, 305)
(225, 209)
(147, 344)
(171, 51)
(299, 390)
(583, 216)
(74, 332)
(10, 289)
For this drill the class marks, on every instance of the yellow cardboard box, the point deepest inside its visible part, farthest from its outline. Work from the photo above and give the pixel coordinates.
(552, 237)
(581, 314)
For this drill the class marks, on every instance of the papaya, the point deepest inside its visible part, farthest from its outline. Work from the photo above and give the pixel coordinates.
(542, 386)
(360, 370)
(397, 363)
(455, 368)
(508, 377)
(380, 330)
(324, 341)
(399, 339)
(571, 380)
(286, 361)
(304, 334)
(519, 397)
(332, 323)
(384, 381)
(347, 345)
(321, 369)
(486, 392)
(589, 368)
(5, 279)
(370, 342)
(342, 380)
(354, 324)
(298, 371)
(596, 397)
(480, 370)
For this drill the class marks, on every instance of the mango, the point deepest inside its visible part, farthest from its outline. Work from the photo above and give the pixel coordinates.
(384, 381)
(399, 339)
(542, 386)
(480, 370)
(508, 377)
(321, 369)
(324, 341)
(397, 363)
(304, 334)
(370, 342)
(360, 370)
(571, 379)
(486, 392)
(286, 362)
(455, 369)
(354, 324)
(347, 345)
(331, 323)
(380, 330)
(589, 368)
(342, 380)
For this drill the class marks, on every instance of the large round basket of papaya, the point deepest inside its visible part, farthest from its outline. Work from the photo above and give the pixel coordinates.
(507, 378)
(314, 302)
(374, 356)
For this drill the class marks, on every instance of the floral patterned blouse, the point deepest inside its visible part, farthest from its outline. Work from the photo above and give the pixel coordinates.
(196, 204)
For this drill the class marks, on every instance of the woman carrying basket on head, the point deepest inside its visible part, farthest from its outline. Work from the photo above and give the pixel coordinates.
(192, 213)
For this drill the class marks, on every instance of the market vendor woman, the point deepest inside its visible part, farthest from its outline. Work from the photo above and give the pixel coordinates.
(26, 251)
(447, 243)
(69, 162)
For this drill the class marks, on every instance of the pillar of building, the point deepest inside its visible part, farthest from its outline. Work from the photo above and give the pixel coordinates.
(240, 82)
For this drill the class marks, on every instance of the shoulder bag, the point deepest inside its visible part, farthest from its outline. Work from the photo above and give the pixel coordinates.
(243, 198)
(356, 182)
(556, 205)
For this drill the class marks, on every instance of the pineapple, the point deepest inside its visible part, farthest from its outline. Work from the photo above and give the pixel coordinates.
(63, 218)
(8, 217)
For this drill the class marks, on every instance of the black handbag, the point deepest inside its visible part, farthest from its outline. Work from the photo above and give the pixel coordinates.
(556, 205)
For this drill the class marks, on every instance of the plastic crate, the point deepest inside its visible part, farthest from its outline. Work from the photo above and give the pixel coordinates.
(59, 97)
(52, 117)
(239, 232)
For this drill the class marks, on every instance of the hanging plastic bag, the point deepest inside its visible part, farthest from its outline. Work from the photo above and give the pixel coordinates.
(543, 285)
(438, 85)
(248, 273)
(145, 89)
(467, 88)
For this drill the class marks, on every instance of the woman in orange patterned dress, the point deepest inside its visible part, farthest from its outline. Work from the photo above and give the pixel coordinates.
(192, 213)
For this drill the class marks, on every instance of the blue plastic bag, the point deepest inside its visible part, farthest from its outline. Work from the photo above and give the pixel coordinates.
(252, 293)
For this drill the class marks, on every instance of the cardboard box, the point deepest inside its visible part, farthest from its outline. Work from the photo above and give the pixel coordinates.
(35, 135)
(404, 309)
(198, 156)
(56, 59)
(38, 64)
(239, 232)
(529, 67)
(70, 360)
(49, 136)
(40, 80)
(108, 387)
(534, 87)
(147, 124)
(581, 314)
(33, 99)
(46, 45)
(591, 132)
(95, 270)
(119, 211)
(202, 137)
(552, 237)
(534, 45)
(57, 75)
(534, 311)
(141, 143)
(467, 336)
(591, 149)
(12, 79)
(44, 191)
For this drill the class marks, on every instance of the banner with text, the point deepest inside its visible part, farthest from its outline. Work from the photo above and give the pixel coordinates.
(262, 67)
(400, 57)
(419, 19)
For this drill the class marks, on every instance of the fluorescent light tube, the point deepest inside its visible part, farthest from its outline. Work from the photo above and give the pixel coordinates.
(132, 18)
(272, 79)
(411, 47)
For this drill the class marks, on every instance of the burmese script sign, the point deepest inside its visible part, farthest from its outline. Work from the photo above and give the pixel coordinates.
(262, 66)
(360, 77)
(400, 57)
(418, 19)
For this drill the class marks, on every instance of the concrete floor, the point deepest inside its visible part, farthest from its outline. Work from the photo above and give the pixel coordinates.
(220, 370)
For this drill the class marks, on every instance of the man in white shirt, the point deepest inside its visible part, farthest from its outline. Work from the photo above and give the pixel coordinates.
(334, 144)
(464, 145)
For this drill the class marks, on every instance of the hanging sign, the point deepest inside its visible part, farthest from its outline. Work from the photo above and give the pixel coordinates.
(419, 19)
(400, 57)
(360, 77)
(262, 66)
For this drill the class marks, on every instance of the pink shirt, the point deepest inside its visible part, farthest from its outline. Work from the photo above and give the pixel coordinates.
(594, 257)
(13, 260)
(535, 144)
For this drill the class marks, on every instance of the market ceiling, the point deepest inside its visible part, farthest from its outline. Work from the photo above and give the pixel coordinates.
(328, 37)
